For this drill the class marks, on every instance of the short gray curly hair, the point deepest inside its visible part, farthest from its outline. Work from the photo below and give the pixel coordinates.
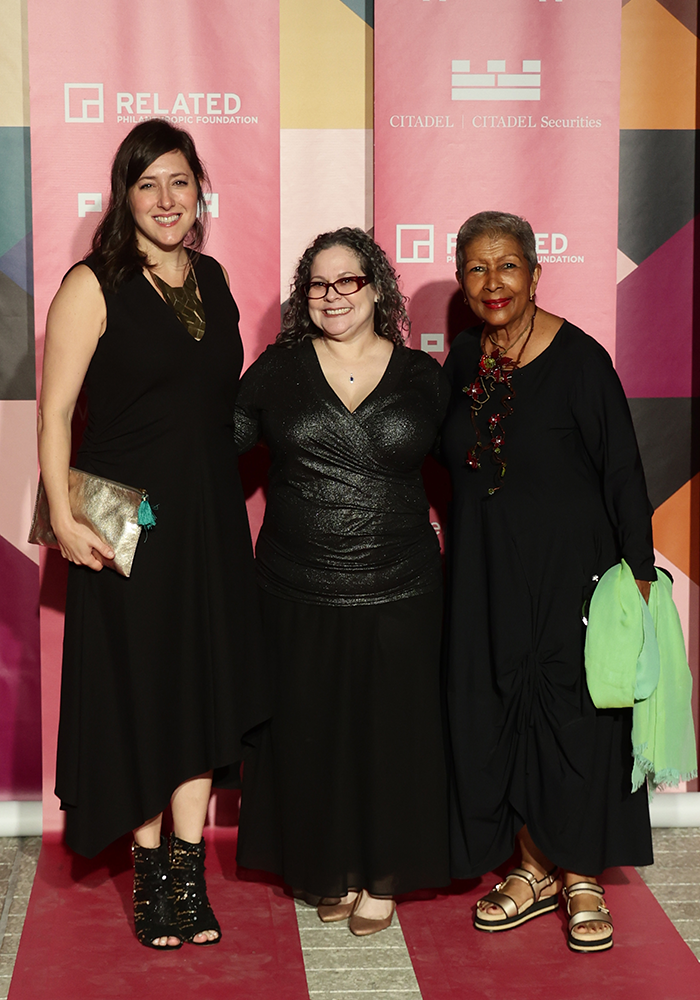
(497, 224)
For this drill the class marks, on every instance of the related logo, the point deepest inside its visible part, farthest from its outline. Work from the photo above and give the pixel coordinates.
(551, 249)
(496, 84)
(432, 343)
(193, 106)
(92, 202)
(415, 244)
(89, 202)
(551, 243)
(212, 201)
(84, 102)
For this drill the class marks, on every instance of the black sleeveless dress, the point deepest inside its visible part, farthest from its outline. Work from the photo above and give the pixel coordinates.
(161, 671)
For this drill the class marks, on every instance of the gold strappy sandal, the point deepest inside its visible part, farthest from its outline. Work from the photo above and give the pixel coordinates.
(514, 915)
(592, 941)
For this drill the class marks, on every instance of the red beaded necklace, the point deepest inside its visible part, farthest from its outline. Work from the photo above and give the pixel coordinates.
(494, 369)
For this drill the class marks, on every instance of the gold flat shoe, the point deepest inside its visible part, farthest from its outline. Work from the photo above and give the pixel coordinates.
(330, 913)
(362, 926)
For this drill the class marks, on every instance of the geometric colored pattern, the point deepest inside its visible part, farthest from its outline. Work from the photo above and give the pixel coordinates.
(17, 377)
(673, 528)
(20, 711)
(20, 691)
(17, 373)
(660, 425)
(658, 194)
(654, 352)
(659, 52)
(658, 322)
(326, 107)
(363, 9)
(686, 11)
(324, 85)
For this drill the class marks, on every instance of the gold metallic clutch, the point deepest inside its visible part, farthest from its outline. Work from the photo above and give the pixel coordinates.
(115, 512)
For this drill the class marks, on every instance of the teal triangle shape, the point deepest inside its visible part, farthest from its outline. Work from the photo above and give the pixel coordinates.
(363, 9)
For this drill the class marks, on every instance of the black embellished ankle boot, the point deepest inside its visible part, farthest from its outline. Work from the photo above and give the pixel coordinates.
(193, 912)
(154, 916)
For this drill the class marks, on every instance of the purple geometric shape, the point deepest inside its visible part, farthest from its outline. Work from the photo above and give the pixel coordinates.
(20, 681)
(654, 346)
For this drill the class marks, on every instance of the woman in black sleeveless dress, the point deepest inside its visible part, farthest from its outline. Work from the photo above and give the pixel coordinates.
(160, 671)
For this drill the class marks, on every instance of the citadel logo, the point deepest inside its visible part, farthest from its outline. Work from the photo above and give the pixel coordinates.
(495, 84)
(415, 244)
(84, 102)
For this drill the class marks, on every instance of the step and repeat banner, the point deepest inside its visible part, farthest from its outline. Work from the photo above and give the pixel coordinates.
(511, 105)
(96, 70)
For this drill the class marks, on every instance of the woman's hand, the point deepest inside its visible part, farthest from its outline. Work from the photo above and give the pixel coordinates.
(80, 545)
(644, 588)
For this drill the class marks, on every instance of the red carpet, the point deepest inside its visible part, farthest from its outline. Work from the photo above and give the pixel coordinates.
(78, 941)
(452, 961)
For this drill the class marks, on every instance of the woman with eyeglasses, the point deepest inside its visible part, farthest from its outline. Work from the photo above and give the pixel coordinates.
(345, 795)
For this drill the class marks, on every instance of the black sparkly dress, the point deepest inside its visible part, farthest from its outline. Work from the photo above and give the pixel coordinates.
(528, 745)
(347, 788)
(162, 672)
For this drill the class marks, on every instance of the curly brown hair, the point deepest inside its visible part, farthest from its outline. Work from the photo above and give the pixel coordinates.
(390, 317)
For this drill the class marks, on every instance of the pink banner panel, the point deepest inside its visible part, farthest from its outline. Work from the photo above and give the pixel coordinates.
(513, 106)
(96, 70)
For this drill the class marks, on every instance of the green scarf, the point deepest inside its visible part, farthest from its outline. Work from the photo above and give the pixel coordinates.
(635, 656)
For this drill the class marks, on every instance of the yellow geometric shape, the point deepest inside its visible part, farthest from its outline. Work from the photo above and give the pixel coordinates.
(326, 66)
(659, 69)
(14, 76)
(676, 525)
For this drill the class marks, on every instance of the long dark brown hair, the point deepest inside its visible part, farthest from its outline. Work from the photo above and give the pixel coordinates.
(114, 244)
(390, 317)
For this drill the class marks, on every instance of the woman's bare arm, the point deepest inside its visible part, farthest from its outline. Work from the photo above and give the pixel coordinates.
(77, 319)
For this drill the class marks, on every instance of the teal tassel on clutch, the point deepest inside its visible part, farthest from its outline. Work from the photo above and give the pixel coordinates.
(146, 517)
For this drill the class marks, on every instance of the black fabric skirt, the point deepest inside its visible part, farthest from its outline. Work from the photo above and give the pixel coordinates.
(346, 786)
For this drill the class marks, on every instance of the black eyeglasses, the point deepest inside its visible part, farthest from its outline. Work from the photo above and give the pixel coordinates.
(343, 286)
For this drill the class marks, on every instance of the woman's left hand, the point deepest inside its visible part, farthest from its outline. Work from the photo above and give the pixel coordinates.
(644, 588)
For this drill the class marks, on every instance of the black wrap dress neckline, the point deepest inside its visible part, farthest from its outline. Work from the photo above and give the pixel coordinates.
(390, 374)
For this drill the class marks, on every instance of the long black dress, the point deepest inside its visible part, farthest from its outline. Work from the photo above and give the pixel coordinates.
(528, 745)
(162, 672)
(347, 788)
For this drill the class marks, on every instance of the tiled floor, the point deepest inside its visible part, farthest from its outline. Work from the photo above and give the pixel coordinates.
(18, 858)
(361, 968)
(674, 879)
(342, 967)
